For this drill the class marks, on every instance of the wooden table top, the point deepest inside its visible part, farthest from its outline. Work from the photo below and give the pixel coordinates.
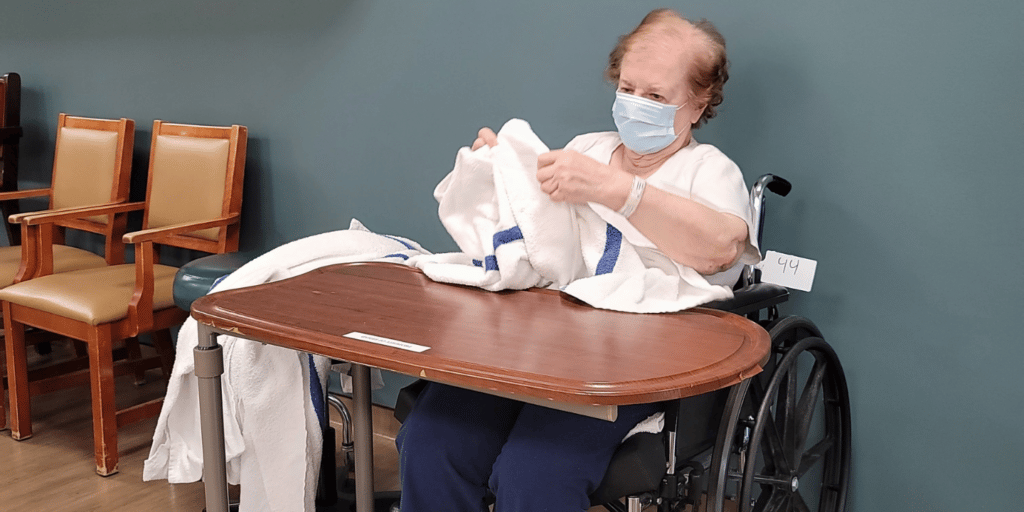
(538, 343)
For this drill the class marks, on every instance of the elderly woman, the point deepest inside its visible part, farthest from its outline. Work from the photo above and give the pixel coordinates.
(661, 189)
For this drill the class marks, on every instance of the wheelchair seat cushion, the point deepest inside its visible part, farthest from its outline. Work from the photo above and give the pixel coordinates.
(195, 278)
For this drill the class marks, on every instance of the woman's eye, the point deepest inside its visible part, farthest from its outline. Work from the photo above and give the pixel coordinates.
(657, 97)
(627, 90)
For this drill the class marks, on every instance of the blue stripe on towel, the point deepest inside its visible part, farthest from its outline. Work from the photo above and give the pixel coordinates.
(509, 235)
(217, 282)
(316, 393)
(612, 242)
(491, 263)
(399, 240)
(397, 255)
(500, 238)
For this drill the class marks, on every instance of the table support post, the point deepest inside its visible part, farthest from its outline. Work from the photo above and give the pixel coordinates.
(209, 365)
(363, 426)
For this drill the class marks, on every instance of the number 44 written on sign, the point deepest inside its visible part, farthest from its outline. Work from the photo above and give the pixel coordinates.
(786, 270)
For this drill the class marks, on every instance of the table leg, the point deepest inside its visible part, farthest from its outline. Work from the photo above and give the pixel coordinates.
(209, 365)
(363, 425)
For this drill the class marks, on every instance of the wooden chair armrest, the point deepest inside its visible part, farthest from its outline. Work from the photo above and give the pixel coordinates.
(22, 194)
(36, 252)
(17, 218)
(147, 235)
(51, 216)
(140, 309)
(37, 232)
(10, 132)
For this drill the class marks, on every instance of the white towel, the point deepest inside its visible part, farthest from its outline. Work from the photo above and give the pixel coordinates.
(271, 418)
(480, 204)
(512, 236)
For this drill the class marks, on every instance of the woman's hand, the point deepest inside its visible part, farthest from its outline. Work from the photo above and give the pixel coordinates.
(686, 231)
(485, 136)
(568, 176)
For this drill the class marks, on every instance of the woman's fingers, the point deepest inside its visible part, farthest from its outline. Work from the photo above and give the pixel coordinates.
(485, 136)
(488, 136)
(545, 169)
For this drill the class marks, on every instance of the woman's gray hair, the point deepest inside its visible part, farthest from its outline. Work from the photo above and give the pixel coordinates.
(710, 69)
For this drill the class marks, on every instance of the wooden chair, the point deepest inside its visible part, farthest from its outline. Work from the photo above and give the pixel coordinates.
(91, 167)
(193, 201)
(10, 134)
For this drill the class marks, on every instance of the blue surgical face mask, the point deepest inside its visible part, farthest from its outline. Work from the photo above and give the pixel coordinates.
(645, 126)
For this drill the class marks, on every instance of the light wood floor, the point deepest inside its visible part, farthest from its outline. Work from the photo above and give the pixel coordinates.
(54, 469)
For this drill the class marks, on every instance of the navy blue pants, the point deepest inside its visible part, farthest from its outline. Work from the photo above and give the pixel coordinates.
(456, 445)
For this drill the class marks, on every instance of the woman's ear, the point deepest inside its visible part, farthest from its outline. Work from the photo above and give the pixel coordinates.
(697, 112)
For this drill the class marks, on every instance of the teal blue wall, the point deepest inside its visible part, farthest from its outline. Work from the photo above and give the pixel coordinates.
(900, 123)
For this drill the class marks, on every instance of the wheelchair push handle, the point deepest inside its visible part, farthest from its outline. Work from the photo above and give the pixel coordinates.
(774, 184)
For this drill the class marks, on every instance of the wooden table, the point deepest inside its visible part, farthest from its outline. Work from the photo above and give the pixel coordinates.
(538, 346)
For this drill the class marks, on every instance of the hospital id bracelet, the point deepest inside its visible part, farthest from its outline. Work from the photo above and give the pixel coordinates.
(636, 193)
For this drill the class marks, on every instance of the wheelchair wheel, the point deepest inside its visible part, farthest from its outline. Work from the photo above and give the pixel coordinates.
(789, 446)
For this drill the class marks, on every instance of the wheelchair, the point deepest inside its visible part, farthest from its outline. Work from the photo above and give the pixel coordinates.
(779, 441)
(767, 444)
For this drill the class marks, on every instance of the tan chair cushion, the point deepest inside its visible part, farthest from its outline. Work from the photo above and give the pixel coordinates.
(65, 259)
(94, 296)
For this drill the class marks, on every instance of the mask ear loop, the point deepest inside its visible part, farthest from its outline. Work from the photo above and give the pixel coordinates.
(677, 110)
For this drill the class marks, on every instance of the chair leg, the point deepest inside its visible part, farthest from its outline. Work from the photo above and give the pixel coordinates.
(17, 377)
(164, 345)
(3, 388)
(134, 351)
(104, 410)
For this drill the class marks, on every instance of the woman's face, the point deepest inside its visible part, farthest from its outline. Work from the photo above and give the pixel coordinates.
(656, 69)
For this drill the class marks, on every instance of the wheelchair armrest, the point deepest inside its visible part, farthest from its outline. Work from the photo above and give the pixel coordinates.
(751, 298)
(10, 133)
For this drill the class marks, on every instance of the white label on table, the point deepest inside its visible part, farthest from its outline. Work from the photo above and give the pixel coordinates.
(380, 340)
(789, 271)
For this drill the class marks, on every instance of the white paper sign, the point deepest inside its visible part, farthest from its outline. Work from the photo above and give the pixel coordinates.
(380, 340)
(789, 271)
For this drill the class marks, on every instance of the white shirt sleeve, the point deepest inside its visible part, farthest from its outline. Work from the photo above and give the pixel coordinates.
(699, 172)
(718, 184)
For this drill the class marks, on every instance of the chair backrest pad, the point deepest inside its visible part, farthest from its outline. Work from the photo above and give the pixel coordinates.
(84, 167)
(188, 184)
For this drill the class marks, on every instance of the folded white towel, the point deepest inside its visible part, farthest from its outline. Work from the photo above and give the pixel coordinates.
(512, 236)
(272, 415)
